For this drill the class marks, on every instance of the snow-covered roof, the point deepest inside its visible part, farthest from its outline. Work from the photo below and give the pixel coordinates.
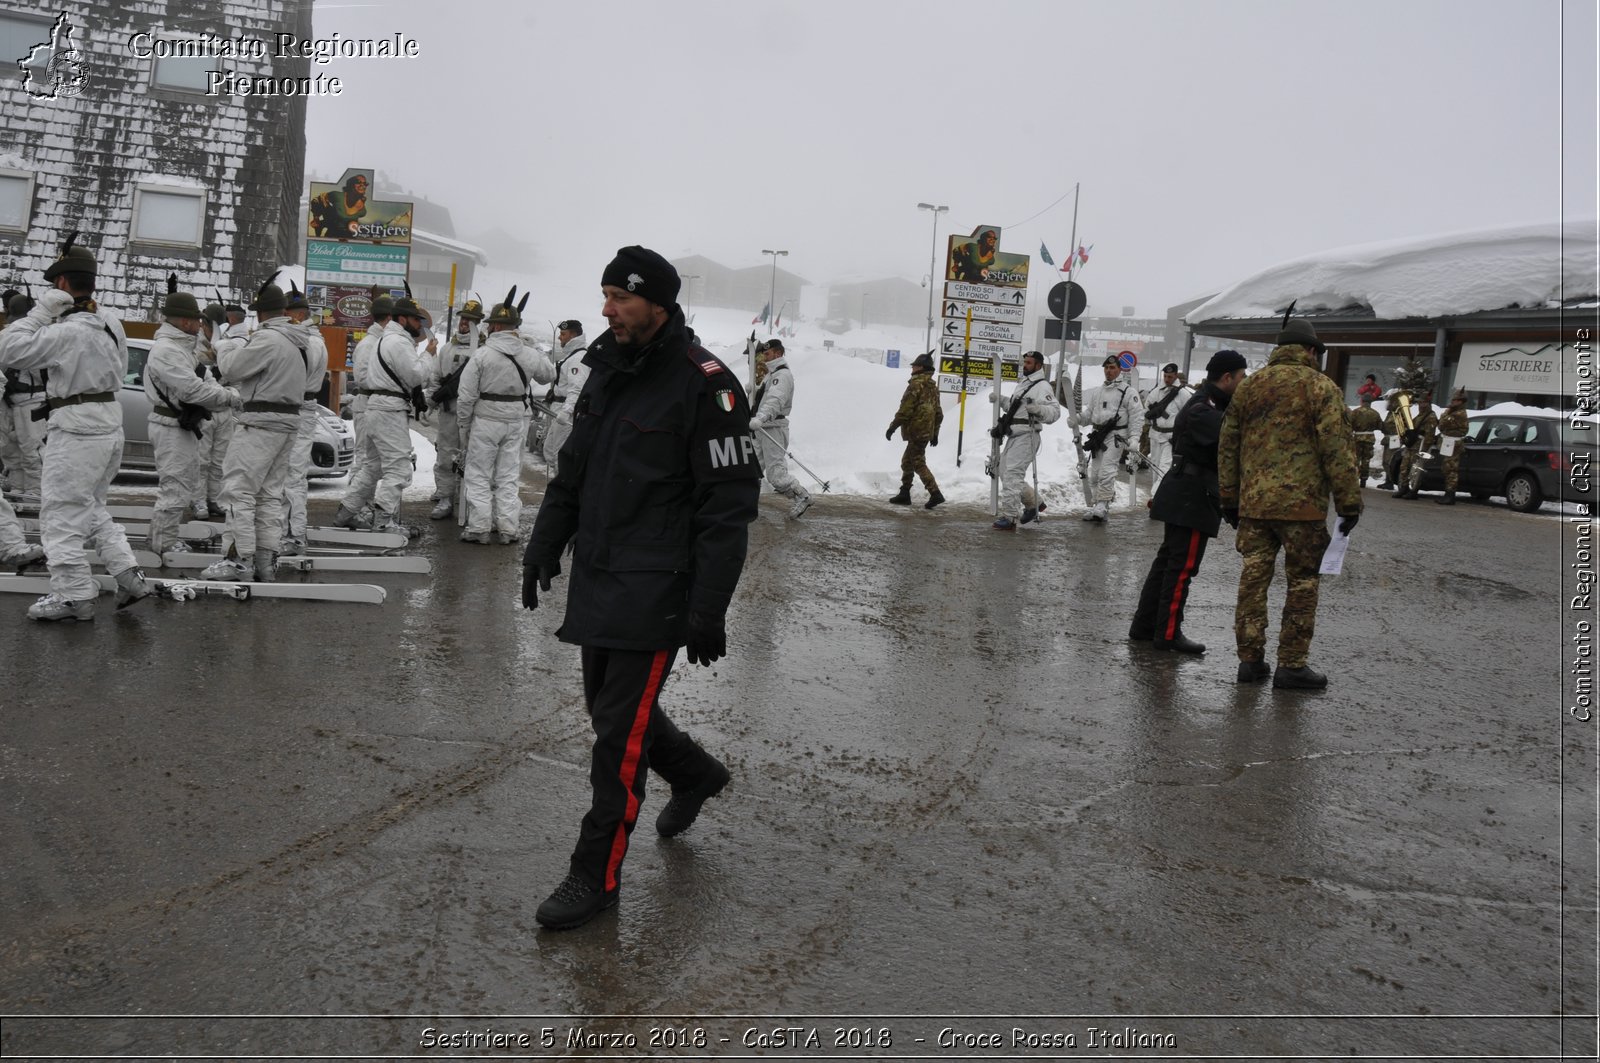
(461, 247)
(1456, 273)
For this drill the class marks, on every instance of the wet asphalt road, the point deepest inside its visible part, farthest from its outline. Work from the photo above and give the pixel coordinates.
(958, 791)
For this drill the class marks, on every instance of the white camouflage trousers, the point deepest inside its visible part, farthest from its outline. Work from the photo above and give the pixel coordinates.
(252, 489)
(494, 475)
(1014, 462)
(72, 516)
(25, 478)
(178, 472)
(294, 481)
(1103, 473)
(773, 443)
(447, 447)
(215, 435)
(11, 537)
(555, 437)
(385, 462)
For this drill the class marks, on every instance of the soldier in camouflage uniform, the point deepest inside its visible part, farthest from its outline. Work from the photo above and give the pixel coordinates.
(1453, 426)
(918, 419)
(1284, 449)
(1364, 421)
(1419, 439)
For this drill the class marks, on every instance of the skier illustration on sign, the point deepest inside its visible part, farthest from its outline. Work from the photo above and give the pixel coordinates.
(86, 355)
(655, 490)
(492, 410)
(770, 425)
(337, 213)
(972, 261)
(1031, 405)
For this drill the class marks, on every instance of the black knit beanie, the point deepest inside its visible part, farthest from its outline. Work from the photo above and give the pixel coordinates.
(644, 273)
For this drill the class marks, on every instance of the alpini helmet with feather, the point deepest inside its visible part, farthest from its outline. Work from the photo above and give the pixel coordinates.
(269, 298)
(1299, 331)
(472, 310)
(179, 304)
(73, 259)
(295, 299)
(510, 311)
(407, 306)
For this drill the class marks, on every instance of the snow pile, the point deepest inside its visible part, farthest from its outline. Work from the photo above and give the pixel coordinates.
(1460, 273)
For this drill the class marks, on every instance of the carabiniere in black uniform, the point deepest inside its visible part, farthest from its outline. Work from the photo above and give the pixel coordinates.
(657, 485)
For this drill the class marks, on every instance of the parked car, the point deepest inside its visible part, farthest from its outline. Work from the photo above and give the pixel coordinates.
(1525, 457)
(333, 448)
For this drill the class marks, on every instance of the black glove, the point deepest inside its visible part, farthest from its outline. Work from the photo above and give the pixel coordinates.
(933, 442)
(708, 639)
(997, 432)
(1346, 524)
(1410, 438)
(1231, 515)
(536, 578)
(889, 433)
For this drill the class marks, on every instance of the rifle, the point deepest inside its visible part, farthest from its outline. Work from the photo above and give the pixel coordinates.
(1077, 441)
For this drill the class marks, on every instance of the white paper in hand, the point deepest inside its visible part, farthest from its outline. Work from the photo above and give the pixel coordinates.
(1333, 556)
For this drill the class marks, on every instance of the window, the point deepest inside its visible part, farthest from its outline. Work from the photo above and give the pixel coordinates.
(1475, 429)
(186, 73)
(18, 33)
(167, 215)
(16, 199)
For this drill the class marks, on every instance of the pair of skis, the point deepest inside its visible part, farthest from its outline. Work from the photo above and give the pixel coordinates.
(180, 590)
(194, 560)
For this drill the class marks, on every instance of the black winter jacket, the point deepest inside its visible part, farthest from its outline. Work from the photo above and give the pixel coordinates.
(1188, 495)
(656, 487)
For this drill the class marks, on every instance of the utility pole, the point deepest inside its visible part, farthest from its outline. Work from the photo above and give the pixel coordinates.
(933, 269)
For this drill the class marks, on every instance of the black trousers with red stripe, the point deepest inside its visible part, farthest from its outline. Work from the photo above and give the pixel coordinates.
(1166, 587)
(631, 736)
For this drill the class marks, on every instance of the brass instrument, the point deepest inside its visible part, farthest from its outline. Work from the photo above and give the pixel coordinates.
(1402, 414)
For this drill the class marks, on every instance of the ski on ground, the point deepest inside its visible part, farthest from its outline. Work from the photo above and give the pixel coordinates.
(184, 589)
(420, 566)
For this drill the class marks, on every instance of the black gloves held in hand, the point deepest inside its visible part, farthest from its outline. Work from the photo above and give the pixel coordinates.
(1347, 523)
(888, 433)
(1231, 515)
(933, 442)
(708, 639)
(536, 578)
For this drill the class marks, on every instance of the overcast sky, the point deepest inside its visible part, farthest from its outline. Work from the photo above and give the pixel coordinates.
(1211, 138)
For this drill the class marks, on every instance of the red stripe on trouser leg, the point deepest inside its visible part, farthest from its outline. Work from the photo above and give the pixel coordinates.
(1180, 588)
(630, 766)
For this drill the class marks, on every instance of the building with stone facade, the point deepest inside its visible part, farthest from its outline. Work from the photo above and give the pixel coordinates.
(155, 169)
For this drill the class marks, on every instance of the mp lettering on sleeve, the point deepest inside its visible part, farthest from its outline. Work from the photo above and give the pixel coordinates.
(731, 451)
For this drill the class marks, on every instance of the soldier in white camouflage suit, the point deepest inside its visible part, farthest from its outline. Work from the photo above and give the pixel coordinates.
(1114, 416)
(443, 385)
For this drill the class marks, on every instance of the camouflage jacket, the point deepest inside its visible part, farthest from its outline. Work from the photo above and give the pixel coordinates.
(1285, 446)
(920, 414)
(1453, 423)
(1364, 420)
(1422, 416)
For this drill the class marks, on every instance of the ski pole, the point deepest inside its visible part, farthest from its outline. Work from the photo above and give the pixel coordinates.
(796, 460)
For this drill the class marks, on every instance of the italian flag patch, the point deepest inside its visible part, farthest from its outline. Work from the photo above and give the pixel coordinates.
(725, 400)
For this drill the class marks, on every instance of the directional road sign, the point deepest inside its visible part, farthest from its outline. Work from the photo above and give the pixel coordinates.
(957, 308)
(1008, 352)
(985, 293)
(994, 331)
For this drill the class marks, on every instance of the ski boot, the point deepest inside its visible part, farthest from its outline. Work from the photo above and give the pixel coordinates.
(266, 567)
(801, 504)
(229, 570)
(1029, 515)
(505, 539)
(23, 556)
(475, 537)
(202, 511)
(442, 508)
(385, 522)
(55, 607)
(292, 545)
(1004, 524)
(131, 587)
(354, 519)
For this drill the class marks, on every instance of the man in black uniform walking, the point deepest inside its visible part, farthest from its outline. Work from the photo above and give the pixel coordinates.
(655, 489)
(1190, 503)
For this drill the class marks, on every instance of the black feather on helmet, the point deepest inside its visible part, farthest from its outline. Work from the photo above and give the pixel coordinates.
(73, 259)
(179, 304)
(269, 298)
(295, 299)
(407, 306)
(1299, 331)
(510, 311)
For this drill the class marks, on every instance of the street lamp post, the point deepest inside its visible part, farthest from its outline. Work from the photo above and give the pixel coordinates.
(772, 295)
(933, 268)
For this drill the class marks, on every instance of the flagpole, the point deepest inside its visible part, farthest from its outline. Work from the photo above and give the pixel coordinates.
(1072, 258)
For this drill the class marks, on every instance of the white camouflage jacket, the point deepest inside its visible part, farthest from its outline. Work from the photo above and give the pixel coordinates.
(493, 371)
(86, 353)
(169, 376)
(775, 396)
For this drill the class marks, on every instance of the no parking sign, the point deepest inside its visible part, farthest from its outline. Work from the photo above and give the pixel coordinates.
(1127, 360)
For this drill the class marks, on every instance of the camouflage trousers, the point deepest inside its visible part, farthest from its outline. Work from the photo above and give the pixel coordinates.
(914, 462)
(1452, 469)
(1258, 541)
(1364, 459)
(1411, 466)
